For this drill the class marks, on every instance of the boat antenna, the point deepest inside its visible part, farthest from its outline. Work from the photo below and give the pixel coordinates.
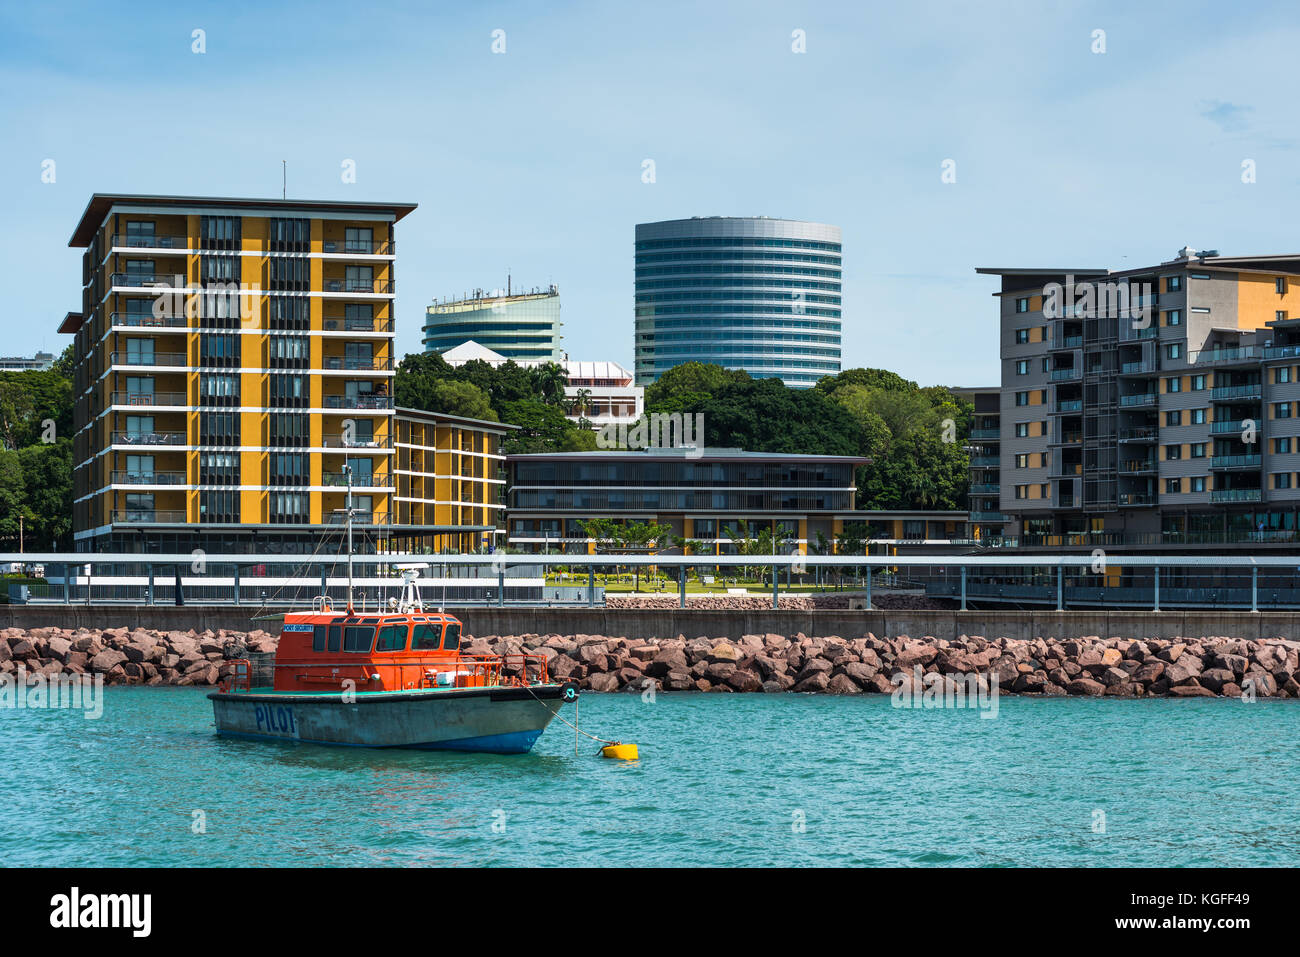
(347, 470)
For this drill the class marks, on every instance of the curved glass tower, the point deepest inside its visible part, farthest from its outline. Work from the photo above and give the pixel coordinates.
(757, 294)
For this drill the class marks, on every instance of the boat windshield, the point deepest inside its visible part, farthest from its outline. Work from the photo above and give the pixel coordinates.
(451, 641)
(391, 638)
(426, 637)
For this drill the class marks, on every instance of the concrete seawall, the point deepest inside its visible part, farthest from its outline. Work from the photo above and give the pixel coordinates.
(730, 624)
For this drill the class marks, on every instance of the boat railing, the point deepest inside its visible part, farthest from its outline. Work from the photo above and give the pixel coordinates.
(322, 604)
(240, 677)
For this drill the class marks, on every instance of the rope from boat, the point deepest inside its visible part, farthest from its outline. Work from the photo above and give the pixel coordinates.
(556, 714)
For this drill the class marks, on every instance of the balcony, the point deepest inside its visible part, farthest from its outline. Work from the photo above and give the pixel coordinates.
(1064, 374)
(1137, 368)
(1139, 466)
(341, 441)
(1128, 333)
(149, 438)
(145, 280)
(356, 363)
(1068, 438)
(1228, 426)
(150, 399)
(148, 478)
(1130, 499)
(147, 321)
(150, 242)
(1144, 434)
(148, 516)
(986, 433)
(987, 517)
(360, 247)
(358, 325)
(1229, 393)
(985, 488)
(358, 402)
(1227, 495)
(364, 286)
(151, 359)
(1281, 352)
(340, 479)
(1236, 461)
(1235, 354)
(984, 462)
(1070, 405)
(1138, 400)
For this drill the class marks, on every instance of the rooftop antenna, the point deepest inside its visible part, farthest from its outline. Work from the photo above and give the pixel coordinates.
(284, 179)
(347, 470)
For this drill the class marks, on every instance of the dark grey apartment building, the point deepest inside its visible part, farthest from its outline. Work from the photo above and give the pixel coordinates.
(1150, 407)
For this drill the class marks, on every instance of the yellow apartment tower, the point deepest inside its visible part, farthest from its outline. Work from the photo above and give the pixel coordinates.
(232, 357)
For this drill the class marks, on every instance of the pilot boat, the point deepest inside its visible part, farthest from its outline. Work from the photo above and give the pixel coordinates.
(394, 679)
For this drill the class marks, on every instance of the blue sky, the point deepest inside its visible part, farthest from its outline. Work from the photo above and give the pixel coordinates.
(531, 161)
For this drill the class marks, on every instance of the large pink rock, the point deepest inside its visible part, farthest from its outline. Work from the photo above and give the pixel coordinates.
(107, 660)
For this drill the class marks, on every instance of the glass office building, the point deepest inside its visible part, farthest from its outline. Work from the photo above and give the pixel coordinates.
(757, 294)
(521, 326)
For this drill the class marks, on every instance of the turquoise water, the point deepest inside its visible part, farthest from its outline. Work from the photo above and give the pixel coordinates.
(722, 780)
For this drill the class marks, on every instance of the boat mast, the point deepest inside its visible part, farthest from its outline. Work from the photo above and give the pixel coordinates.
(347, 469)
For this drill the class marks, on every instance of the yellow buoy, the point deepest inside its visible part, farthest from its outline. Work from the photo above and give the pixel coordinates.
(624, 752)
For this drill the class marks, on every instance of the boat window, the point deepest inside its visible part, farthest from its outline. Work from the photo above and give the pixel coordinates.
(391, 638)
(452, 640)
(426, 637)
(357, 638)
(336, 632)
(318, 638)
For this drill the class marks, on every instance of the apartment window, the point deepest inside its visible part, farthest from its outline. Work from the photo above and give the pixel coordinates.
(288, 352)
(1197, 483)
(1174, 417)
(1279, 285)
(1022, 430)
(359, 239)
(1022, 461)
(289, 275)
(139, 507)
(218, 428)
(139, 469)
(1173, 384)
(219, 268)
(1022, 336)
(287, 468)
(219, 350)
(1198, 450)
(287, 508)
(1022, 305)
(140, 234)
(1280, 315)
(1045, 364)
(1198, 383)
(358, 317)
(359, 279)
(1022, 398)
(1281, 479)
(1173, 452)
(218, 468)
(1282, 446)
(1174, 317)
(287, 430)
(1022, 367)
(288, 391)
(288, 313)
(1173, 350)
(219, 505)
(1022, 491)
(218, 389)
(1173, 283)
(288, 235)
(1173, 486)
(1281, 410)
(219, 232)
(1198, 275)
(1198, 416)
(1281, 374)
